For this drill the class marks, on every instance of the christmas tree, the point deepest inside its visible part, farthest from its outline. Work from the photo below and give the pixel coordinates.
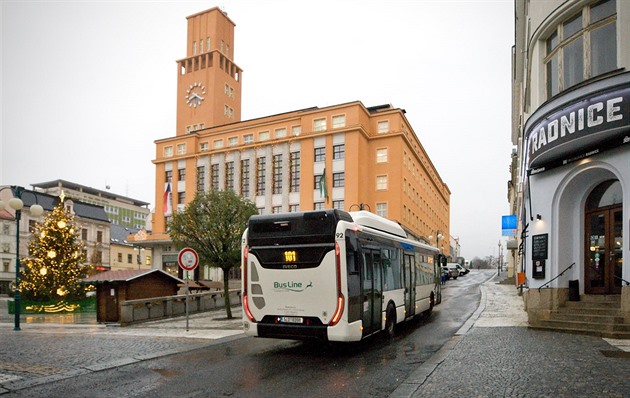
(55, 267)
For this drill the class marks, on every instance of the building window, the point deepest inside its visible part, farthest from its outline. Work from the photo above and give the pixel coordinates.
(296, 130)
(263, 136)
(181, 198)
(383, 126)
(218, 144)
(338, 121)
(319, 206)
(339, 180)
(201, 178)
(168, 175)
(276, 209)
(281, 133)
(181, 174)
(245, 178)
(569, 61)
(233, 141)
(294, 182)
(203, 146)
(319, 124)
(381, 182)
(228, 90)
(168, 151)
(381, 155)
(339, 151)
(261, 168)
(318, 178)
(129, 258)
(294, 208)
(338, 204)
(84, 234)
(320, 154)
(381, 209)
(181, 149)
(277, 174)
(229, 175)
(99, 236)
(214, 177)
(228, 111)
(5, 265)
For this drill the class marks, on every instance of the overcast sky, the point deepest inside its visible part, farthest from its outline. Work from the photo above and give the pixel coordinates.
(88, 86)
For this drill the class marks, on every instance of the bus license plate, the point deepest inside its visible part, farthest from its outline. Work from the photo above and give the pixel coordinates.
(291, 319)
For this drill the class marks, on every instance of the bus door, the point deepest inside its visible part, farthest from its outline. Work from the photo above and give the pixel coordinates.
(410, 291)
(372, 290)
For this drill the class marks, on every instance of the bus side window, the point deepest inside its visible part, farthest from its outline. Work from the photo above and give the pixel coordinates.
(352, 251)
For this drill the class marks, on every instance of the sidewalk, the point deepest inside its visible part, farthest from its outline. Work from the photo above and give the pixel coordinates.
(495, 355)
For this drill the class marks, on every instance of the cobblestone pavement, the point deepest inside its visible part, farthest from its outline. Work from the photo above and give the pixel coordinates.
(42, 352)
(495, 355)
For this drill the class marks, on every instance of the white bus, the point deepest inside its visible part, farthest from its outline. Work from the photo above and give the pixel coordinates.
(333, 275)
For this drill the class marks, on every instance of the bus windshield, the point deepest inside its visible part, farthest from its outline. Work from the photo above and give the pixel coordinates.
(295, 228)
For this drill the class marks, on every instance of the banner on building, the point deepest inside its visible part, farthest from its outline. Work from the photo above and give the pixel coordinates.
(508, 225)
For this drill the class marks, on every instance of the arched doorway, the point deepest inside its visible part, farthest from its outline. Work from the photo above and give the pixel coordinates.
(603, 239)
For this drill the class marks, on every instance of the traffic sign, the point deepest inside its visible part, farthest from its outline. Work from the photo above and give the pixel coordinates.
(188, 259)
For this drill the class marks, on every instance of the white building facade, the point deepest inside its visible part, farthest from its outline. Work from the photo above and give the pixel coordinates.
(571, 129)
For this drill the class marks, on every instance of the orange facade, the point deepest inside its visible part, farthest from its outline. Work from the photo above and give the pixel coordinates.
(370, 155)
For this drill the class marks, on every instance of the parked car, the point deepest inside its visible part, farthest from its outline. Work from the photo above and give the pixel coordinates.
(462, 270)
(452, 270)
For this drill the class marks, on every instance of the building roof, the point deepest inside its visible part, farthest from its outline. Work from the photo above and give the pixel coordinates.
(125, 276)
(119, 234)
(89, 190)
(48, 202)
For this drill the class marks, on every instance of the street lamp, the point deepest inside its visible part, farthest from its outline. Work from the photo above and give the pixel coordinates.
(361, 207)
(438, 236)
(36, 210)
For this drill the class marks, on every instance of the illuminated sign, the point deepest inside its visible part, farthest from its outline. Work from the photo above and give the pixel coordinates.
(290, 256)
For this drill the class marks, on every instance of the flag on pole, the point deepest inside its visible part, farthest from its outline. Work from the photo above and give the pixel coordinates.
(168, 207)
(323, 191)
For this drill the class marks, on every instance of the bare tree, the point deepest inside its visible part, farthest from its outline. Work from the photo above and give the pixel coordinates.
(212, 224)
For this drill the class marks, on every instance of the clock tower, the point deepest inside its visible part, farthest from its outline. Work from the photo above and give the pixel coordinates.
(208, 80)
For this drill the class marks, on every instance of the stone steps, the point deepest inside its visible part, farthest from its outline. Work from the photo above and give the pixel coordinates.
(595, 315)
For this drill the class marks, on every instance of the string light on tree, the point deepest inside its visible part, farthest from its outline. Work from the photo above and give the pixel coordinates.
(56, 265)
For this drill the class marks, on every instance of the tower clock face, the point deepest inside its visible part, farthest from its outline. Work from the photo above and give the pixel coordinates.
(195, 94)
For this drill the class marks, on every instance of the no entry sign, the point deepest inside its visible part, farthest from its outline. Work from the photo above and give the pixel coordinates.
(188, 259)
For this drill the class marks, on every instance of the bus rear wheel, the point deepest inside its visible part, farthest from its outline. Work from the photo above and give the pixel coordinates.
(390, 321)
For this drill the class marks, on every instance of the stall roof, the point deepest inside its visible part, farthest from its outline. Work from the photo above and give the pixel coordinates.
(125, 275)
